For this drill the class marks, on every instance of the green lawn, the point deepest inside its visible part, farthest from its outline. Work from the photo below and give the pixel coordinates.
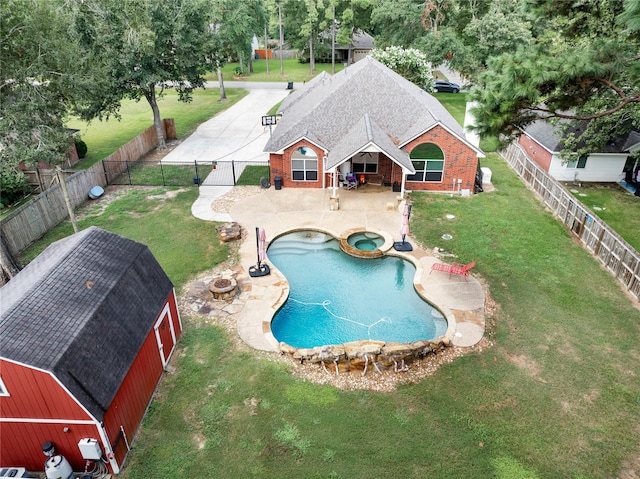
(105, 137)
(555, 397)
(455, 103)
(293, 71)
(158, 217)
(618, 207)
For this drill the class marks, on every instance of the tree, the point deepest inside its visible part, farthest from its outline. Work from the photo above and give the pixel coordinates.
(397, 22)
(410, 63)
(583, 67)
(301, 22)
(351, 16)
(434, 13)
(38, 76)
(495, 33)
(143, 47)
(233, 26)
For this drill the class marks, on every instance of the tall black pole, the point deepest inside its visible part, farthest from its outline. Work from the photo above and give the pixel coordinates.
(258, 245)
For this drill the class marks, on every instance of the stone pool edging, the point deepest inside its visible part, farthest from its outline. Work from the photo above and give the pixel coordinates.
(366, 355)
(358, 253)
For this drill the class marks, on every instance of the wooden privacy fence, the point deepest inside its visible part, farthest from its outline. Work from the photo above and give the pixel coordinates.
(596, 236)
(40, 215)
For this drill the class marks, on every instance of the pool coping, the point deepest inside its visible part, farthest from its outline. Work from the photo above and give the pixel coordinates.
(465, 322)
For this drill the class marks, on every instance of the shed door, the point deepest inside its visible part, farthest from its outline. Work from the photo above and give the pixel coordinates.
(165, 335)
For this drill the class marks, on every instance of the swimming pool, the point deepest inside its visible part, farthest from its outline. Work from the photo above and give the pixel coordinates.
(336, 298)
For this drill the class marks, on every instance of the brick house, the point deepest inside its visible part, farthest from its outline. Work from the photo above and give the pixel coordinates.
(369, 121)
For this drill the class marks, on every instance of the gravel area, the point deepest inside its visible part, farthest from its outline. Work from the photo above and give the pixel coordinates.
(224, 203)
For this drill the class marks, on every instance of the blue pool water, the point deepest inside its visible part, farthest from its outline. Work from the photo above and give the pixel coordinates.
(365, 241)
(336, 298)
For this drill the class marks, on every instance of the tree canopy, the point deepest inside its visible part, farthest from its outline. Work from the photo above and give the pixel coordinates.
(143, 47)
(410, 63)
(40, 74)
(583, 66)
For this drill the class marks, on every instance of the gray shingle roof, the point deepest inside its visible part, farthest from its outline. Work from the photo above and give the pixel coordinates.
(362, 134)
(632, 141)
(550, 136)
(329, 106)
(82, 310)
(362, 40)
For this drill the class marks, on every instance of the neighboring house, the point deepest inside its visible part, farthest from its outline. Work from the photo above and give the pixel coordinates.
(87, 330)
(361, 45)
(542, 142)
(370, 121)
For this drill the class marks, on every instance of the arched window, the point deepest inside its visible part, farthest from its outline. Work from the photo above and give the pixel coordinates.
(428, 161)
(304, 164)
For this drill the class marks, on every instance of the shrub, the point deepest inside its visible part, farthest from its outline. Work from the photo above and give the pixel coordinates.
(410, 63)
(13, 185)
(81, 147)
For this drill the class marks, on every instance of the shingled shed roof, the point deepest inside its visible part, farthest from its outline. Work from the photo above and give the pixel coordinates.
(328, 107)
(82, 310)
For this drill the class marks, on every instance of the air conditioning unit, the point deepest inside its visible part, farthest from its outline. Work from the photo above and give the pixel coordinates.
(12, 472)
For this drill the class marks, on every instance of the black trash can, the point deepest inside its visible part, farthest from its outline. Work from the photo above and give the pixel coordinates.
(290, 85)
(277, 182)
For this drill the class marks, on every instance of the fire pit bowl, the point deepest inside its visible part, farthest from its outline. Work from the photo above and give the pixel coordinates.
(223, 288)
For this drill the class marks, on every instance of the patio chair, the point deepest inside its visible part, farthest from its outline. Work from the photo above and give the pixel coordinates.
(454, 268)
(352, 181)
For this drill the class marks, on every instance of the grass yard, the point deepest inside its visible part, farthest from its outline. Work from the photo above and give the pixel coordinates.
(455, 103)
(619, 208)
(293, 71)
(252, 174)
(105, 137)
(556, 396)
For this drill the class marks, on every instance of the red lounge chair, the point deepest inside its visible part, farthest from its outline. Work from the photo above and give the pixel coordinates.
(454, 268)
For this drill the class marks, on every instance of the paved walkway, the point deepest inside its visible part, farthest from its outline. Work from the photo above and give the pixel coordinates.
(238, 133)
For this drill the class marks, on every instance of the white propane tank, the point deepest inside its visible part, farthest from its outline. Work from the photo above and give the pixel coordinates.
(57, 467)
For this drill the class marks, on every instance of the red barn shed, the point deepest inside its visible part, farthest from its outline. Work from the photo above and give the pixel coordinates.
(87, 329)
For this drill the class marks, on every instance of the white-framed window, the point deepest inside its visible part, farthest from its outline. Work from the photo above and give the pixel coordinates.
(304, 165)
(3, 388)
(365, 163)
(578, 163)
(428, 161)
